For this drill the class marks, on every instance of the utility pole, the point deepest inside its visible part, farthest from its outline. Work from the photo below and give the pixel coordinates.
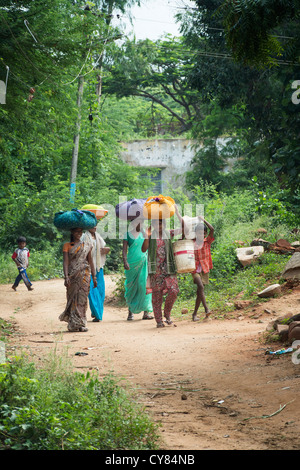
(76, 141)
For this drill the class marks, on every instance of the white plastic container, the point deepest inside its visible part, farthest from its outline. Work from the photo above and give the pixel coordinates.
(191, 223)
(184, 256)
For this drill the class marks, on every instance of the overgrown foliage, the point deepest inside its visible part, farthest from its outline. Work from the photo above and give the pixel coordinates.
(249, 102)
(56, 409)
(37, 127)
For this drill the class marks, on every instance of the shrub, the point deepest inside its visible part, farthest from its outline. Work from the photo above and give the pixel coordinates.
(57, 409)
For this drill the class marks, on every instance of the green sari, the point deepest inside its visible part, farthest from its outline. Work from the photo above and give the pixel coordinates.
(136, 277)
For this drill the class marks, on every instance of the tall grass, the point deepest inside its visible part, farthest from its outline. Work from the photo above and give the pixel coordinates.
(53, 408)
(222, 291)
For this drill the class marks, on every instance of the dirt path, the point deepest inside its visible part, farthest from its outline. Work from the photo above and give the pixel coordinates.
(202, 381)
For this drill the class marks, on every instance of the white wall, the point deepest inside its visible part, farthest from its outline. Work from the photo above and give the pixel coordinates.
(173, 156)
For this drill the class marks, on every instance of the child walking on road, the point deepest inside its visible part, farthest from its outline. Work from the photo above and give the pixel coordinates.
(20, 257)
(204, 264)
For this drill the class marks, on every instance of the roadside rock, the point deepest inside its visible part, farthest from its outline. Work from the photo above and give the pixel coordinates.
(240, 304)
(248, 255)
(284, 325)
(270, 291)
(292, 268)
(294, 330)
(283, 332)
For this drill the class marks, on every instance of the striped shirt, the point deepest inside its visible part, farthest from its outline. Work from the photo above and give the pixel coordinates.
(203, 257)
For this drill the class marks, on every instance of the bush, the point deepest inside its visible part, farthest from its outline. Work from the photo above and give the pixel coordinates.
(57, 409)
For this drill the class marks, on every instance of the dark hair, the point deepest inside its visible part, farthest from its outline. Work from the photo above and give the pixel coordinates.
(21, 240)
(200, 227)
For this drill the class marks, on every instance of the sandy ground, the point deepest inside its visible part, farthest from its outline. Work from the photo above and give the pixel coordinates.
(210, 384)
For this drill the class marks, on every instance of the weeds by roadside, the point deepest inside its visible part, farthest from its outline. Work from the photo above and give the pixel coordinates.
(53, 408)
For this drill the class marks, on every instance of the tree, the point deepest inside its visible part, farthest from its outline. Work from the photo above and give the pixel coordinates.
(37, 133)
(258, 96)
(100, 10)
(159, 72)
(264, 32)
(267, 33)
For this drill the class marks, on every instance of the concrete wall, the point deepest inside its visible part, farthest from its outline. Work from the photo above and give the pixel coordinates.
(172, 156)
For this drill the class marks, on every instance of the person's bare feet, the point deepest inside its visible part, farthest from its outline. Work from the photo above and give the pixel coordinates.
(207, 315)
(195, 318)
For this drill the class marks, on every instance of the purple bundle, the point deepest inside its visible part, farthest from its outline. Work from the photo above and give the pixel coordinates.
(130, 210)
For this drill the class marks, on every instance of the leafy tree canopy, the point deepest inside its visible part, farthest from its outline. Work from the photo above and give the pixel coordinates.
(157, 71)
(260, 96)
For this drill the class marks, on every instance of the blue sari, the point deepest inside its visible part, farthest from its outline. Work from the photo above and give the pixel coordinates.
(97, 295)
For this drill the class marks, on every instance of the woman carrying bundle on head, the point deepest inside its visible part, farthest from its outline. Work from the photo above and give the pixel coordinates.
(77, 265)
(136, 272)
(162, 277)
(134, 260)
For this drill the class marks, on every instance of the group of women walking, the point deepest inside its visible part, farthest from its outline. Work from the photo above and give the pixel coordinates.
(150, 273)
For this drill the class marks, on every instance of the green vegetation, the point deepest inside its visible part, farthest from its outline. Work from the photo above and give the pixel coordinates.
(54, 408)
(222, 292)
(216, 83)
(6, 329)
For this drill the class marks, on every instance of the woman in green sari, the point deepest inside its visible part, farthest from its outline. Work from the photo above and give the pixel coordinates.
(136, 272)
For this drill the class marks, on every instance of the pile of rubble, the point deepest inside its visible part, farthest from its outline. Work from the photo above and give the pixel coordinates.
(248, 255)
(282, 246)
(287, 327)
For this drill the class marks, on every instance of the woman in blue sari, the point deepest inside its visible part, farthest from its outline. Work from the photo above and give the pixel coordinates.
(136, 272)
(99, 252)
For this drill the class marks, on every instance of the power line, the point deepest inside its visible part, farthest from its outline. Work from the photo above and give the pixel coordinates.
(207, 28)
(213, 54)
(153, 21)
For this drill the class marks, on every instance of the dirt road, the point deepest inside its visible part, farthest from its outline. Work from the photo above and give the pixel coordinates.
(209, 384)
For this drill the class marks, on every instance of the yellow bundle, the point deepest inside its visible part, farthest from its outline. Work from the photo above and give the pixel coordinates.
(159, 207)
(99, 211)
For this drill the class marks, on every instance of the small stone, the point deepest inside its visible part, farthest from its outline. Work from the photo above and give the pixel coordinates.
(270, 291)
(239, 305)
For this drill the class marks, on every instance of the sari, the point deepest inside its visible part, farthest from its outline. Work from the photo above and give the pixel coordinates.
(97, 294)
(136, 277)
(78, 290)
